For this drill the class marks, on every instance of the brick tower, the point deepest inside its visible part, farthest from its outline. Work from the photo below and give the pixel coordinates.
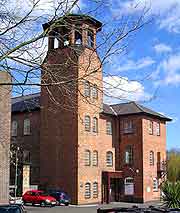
(73, 63)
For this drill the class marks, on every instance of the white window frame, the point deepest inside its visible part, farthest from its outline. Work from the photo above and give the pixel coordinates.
(129, 186)
(87, 157)
(150, 127)
(95, 158)
(129, 154)
(95, 190)
(95, 125)
(158, 131)
(108, 127)
(27, 126)
(151, 158)
(87, 192)
(109, 159)
(87, 88)
(128, 126)
(14, 128)
(94, 92)
(87, 123)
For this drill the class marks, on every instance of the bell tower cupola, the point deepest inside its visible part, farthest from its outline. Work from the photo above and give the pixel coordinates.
(72, 30)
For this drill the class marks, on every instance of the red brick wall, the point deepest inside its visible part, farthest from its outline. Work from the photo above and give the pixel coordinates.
(58, 141)
(134, 139)
(156, 144)
(28, 142)
(101, 142)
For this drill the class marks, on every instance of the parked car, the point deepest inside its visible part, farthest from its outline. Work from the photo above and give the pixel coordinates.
(17, 201)
(60, 196)
(38, 197)
(12, 209)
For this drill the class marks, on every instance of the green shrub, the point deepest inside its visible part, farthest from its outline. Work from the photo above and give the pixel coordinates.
(171, 194)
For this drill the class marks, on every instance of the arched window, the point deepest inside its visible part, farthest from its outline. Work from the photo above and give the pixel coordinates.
(87, 158)
(87, 123)
(151, 158)
(14, 127)
(129, 154)
(87, 193)
(95, 125)
(129, 186)
(27, 127)
(86, 89)
(109, 159)
(95, 158)
(94, 92)
(95, 190)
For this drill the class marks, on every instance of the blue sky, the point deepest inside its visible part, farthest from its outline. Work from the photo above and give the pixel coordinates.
(150, 70)
(153, 54)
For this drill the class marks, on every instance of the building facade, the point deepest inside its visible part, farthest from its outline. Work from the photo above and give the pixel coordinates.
(93, 151)
(5, 123)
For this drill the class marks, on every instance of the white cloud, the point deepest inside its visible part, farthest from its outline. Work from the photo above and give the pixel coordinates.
(168, 71)
(21, 7)
(167, 10)
(135, 65)
(120, 88)
(162, 48)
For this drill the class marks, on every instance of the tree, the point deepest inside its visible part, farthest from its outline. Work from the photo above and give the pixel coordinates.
(171, 187)
(173, 166)
(23, 43)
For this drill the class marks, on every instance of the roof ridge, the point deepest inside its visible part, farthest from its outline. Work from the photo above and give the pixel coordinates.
(120, 103)
(138, 106)
(112, 110)
(28, 95)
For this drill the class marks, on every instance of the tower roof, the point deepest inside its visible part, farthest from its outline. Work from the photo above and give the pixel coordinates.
(75, 19)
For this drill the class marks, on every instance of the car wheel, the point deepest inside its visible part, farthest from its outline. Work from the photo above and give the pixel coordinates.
(43, 204)
(66, 204)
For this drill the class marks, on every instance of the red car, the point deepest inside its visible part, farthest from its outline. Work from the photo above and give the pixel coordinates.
(38, 197)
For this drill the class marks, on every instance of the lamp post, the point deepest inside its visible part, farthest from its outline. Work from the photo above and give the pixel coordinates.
(16, 172)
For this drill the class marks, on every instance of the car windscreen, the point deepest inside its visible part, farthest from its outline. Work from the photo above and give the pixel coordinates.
(43, 193)
(10, 209)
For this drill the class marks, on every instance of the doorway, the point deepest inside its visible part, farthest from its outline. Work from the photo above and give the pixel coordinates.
(112, 187)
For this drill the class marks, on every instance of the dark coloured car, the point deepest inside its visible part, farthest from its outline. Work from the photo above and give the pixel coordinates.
(38, 197)
(12, 209)
(60, 196)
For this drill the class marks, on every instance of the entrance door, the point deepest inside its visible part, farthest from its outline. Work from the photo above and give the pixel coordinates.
(115, 189)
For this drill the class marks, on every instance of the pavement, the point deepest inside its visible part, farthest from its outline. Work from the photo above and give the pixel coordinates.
(84, 208)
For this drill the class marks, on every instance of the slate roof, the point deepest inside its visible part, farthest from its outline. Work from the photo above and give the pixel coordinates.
(132, 108)
(32, 102)
(26, 103)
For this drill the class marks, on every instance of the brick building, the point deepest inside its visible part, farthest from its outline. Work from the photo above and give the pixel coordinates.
(5, 124)
(73, 142)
